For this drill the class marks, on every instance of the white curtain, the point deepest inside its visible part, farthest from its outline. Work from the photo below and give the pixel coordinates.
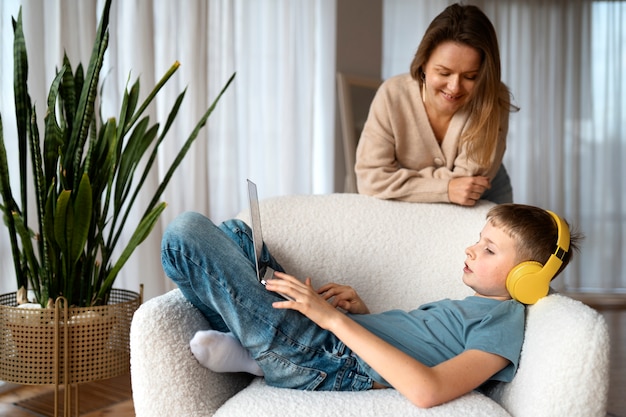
(274, 125)
(564, 61)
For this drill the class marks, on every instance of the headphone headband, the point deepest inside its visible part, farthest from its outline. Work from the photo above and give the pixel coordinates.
(562, 246)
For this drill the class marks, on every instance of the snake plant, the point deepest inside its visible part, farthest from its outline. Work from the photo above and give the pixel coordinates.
(86, 175)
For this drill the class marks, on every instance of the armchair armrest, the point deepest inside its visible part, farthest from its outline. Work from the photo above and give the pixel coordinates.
(166, 378)
(564, 367)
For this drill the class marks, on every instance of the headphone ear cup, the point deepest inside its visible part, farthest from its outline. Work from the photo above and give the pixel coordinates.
(525, 284)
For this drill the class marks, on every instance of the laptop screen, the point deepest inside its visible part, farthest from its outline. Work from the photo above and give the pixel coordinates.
(255, 219)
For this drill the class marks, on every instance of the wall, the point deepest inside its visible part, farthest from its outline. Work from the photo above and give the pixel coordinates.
(359, 52)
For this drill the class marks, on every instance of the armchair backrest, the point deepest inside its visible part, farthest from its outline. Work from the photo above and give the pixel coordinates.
(395, 254)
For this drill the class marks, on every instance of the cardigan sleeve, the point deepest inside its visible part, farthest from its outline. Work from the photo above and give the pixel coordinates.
(398, 156)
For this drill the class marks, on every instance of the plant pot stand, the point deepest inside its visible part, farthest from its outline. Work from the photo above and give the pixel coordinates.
(66, 346)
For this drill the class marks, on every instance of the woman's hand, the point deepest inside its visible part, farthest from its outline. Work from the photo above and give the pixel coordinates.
(466, 191)
(306, 299)
(344, 297)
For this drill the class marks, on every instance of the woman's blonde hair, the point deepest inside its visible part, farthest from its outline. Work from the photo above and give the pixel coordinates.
(468, 25)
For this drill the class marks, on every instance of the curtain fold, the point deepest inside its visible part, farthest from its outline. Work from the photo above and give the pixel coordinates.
(603, 151)
(563, 61)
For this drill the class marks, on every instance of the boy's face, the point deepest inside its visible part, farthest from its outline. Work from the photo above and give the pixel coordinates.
(488, 263)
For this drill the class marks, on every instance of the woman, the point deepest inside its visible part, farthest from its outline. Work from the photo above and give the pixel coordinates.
(438, 134)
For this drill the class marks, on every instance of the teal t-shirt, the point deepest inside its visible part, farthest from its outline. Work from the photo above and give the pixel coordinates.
(436, 332)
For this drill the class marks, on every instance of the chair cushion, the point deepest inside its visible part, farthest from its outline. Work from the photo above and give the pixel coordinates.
(260, 400)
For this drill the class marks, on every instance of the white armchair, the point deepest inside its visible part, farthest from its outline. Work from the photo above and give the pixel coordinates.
(365, 242)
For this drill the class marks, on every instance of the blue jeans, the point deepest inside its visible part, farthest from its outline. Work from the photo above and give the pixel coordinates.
(213, 267)
(501, 190)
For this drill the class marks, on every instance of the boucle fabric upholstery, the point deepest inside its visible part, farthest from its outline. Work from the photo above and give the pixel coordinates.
(397, 255)
(564, 365)
(260, 399)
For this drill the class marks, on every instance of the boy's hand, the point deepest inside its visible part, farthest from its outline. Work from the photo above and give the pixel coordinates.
(344, 297)
(305, 299)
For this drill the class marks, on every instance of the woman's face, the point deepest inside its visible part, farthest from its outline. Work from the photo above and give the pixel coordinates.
(450, 77)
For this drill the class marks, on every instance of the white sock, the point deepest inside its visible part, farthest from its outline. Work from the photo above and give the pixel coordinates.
(222, 352)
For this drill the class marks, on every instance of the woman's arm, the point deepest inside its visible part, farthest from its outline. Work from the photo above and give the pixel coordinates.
(422, 385)
(388, 165)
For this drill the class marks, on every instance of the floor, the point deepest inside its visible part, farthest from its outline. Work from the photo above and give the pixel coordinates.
(99, 399)
(122, 406)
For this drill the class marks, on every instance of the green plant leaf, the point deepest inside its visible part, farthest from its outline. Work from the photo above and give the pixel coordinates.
(131, 98)
(62, 230)
(39, 181)
(85, 110)
(69, 93)
(51, 261)
(129, 159)
(22, 102)
(53, 134)
(103, 172)
(82, 218)
(10, 207)
(168, 74)
(183, 151)
(28, 252)
(146, 171)
(141, 233)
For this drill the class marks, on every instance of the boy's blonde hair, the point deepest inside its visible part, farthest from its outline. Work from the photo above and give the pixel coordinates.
(534, 231)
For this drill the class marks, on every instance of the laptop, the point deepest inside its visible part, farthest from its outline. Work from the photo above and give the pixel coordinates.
(263, 272)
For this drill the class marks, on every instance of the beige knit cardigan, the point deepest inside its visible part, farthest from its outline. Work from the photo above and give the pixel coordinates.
(398, 156)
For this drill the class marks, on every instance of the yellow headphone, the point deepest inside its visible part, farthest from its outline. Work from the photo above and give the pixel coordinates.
(529, 281)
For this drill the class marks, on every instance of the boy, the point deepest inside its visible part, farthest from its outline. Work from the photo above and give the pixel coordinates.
(326, 339)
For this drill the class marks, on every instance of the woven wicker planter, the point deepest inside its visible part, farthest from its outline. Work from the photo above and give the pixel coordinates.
(66, 346)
